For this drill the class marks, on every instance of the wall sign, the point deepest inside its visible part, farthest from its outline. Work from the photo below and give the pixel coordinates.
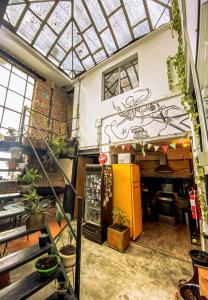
(102, 158)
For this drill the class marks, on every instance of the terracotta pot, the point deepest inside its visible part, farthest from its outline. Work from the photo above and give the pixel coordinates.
(68, 261)
(12, 165)
(4, 280)
(35, 222)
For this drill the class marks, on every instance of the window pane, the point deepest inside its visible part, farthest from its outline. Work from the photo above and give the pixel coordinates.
(4, 76)
(2, 95)
(28, 103)
(1, 110)
(17, 84)
(129, 76)
(5, 64)
(14, 101)
(11, 119)
(19, 72)
(112, 83)
(31, 80)
(29, 91)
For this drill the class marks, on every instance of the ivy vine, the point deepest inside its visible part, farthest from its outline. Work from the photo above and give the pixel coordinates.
(179, 63)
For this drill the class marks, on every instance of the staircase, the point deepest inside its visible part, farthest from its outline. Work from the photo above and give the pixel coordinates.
(29, 285)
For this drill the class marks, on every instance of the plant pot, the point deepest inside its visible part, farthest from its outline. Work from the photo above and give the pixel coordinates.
(25, 189)
(8, 138)
(35, 221)
(186, 287)
(4, 280)
(47, 272)
(16, 153)
(199, 258)
(12, 165)
(68, 260)
(61, 288)
(118, 237)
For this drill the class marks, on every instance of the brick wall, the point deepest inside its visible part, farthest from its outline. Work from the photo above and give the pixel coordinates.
(51, 101)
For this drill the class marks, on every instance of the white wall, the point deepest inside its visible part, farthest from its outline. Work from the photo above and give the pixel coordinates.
(152, 55)
(191, 22)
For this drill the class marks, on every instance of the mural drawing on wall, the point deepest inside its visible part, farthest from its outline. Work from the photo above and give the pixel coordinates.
(137, 117)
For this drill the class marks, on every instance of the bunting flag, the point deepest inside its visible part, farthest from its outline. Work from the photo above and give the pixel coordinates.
(149, 146)
(181, 140)
(165, 148)
(116, 146)
(156, 147)
(134, 146)
(123, 147)
(143, 151)
(128, 147)
(144, 143)
(173, 145)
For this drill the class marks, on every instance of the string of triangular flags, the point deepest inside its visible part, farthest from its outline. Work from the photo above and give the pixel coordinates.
(149, 146)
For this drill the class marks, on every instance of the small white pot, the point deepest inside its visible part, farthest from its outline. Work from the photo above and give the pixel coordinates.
(68, 261)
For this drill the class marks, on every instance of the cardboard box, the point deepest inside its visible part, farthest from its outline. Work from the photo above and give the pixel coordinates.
(126, 158)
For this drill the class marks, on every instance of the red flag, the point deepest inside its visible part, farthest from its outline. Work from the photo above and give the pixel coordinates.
(165, 148)
(128, 147)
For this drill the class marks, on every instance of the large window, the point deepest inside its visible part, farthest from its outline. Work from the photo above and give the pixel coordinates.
(121, 79)
(16, 91)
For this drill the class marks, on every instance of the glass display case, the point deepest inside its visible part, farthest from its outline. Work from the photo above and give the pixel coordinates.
(98, 202)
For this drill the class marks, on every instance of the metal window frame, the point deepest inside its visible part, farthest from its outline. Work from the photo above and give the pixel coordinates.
(9, 89)
(119, 66)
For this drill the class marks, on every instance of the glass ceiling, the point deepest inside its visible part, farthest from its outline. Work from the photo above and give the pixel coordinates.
(76, 35)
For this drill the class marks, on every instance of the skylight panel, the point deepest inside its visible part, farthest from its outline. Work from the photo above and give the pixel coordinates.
(16, 1)
(29, 26)
(67, 63)
(108, 41)
(60, 16)
(81, 15)
(166, 1)
(53, 60)
(99, 56)
(82, 50)
(135, 10)
(45, 40)
(120, 28)
(96, 14)
(155, 10)
(111, 5)
(14, 12)
(65, 40)
(41, 9)
(88, 62)
(92, 39)
(165, 18)
(141, 29)
(58, 52)
(76, 63)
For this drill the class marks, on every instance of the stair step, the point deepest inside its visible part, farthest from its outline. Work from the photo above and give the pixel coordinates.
(27, 286)
(17, 259)
(15, 233)
(57, 296)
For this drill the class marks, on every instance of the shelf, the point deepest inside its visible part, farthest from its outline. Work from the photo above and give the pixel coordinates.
(24, 288)
(17, 259)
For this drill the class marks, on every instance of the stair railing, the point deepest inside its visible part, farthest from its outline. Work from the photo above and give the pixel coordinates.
(77, 236)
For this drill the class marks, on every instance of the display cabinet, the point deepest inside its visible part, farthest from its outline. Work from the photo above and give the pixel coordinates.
(98, 202)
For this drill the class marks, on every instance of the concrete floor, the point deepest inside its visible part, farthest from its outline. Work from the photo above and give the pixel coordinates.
(138, 274)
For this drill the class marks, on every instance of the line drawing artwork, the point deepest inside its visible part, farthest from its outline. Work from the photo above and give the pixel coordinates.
(137, 117)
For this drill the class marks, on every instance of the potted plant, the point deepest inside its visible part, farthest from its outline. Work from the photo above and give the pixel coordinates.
(47, 265)
(35, 210)
(11, 137)
(27, 179)
(16, 153)
(118, 236)
(67, 251)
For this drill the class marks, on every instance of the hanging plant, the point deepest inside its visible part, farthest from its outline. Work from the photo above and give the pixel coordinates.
(179, 63)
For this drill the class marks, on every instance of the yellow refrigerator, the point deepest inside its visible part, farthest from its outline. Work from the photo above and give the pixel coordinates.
(127, 195)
